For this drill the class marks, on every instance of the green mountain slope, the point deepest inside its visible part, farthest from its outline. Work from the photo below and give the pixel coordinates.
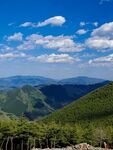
(36, 102)
(98, 105)
(28, 100)
(6, 116)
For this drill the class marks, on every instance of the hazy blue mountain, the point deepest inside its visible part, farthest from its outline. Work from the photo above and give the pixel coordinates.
(19, 81)
(81, 80)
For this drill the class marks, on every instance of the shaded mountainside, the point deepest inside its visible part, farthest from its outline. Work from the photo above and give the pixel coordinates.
(61, 95)
(97, 105)
(36, 102)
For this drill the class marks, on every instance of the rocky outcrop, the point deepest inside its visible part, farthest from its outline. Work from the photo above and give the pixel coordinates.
(83, 146)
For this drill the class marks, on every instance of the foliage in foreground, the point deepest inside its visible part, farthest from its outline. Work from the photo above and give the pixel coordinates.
(22, 133)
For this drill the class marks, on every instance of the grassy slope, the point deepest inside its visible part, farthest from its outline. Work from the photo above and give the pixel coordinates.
(26, 99)
(97, 105)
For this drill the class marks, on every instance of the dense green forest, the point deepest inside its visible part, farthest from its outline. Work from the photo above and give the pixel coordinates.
(22, 134)
(89, 119)
(96, 106)
(38, 101)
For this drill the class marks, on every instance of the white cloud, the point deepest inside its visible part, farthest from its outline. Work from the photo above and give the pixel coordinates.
(55, 21)
(102, 61)
(28, 24)
(12, 55)
(101, 38)
(100, 44)
(81, 31)
(83, 23)
(60, 43)
(26, 45)
(15, 37)
(106, 30)
(45, 58)
(95, 24)
(54, 58)
(103, 1)
(87, 55)
(4, 47)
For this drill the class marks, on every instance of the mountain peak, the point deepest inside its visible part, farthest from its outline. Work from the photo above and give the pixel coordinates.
(82, 80)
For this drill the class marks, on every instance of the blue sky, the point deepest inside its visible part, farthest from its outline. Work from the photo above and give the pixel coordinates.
(56, 38)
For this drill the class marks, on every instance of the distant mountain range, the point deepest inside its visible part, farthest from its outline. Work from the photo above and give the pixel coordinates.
(38, 101)
(82, 80)
(36, 96)
(19, 81)
(96, 106)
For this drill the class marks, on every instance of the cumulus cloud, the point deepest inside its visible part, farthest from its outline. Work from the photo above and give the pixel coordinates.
(54, 58)
(15, 37)
(102, 61)
(12, 55)
(81, 31)
(60, 43)
(55, 21)
(45, 58)
(100, 44)
(101, 38)
(27, 45)
(106, 30)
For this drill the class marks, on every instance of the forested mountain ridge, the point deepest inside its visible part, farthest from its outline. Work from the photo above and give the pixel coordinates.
(39, 101)
(97, 105)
